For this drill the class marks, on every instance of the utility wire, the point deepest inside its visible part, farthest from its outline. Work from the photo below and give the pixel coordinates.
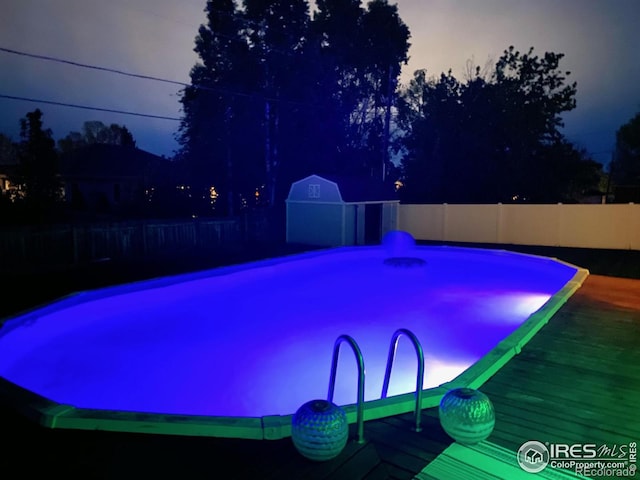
(93, 67)
(158, 79)
(218, 90)
(85, 107)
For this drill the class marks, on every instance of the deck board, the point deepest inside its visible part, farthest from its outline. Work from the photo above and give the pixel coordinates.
(582, 372)
(577, 380)
(484, 461)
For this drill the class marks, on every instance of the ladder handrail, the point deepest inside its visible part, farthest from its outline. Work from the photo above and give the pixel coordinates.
(332, 382)
(420, 377)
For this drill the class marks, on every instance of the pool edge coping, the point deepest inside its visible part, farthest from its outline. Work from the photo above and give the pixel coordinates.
(53, 415)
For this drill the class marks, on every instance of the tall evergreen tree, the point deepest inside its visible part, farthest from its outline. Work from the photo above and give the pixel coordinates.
(278, 33)
(38, 166)
(312, 95)
(339, 44)
(218, 108)
(362, 52)
(386, 40)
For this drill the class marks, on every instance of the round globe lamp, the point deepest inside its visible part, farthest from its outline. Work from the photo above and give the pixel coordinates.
(319, 430)
(467, 415)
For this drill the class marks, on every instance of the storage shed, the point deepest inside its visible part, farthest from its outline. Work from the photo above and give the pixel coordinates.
(338, 211)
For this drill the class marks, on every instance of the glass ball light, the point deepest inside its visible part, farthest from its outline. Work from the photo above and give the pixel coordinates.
(467, 415)
(398, 243)
(319, 430)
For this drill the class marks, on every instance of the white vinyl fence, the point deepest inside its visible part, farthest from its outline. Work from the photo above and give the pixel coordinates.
(607, 226)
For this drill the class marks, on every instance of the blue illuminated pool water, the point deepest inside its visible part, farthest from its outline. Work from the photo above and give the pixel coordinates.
(257, 339)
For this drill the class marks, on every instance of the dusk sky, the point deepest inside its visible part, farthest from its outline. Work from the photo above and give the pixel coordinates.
(156, 37)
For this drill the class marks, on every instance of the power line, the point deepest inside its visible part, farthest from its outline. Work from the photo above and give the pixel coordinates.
(86, 107)
(93, 67)
(218, 90)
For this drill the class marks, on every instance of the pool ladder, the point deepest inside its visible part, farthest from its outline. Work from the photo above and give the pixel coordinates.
(419, 377)
(332, 381)
(361, 374)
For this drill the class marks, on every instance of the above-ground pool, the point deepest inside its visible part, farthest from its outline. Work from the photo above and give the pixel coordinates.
(235, 351)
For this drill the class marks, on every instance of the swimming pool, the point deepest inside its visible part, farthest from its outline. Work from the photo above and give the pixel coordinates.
(235, 351)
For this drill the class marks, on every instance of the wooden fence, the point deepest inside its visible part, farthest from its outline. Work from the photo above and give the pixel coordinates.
(74, 244)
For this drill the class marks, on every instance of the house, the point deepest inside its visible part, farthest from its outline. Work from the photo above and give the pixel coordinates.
(104, 178)
(334, 211)
(8, 167)
(5, 183)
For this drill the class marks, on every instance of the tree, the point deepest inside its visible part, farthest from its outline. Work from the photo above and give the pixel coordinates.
(94, 132)
(38, 166)
(219, 111)
(494, 138)
(564, 173)
(429, 116)
(277, 35)
(387, 43)
(626, 164)
(362, 52)
(313, 95)
(8, 151)
(531, 97)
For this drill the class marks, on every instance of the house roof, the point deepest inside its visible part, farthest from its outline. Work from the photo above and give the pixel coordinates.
(101, 160)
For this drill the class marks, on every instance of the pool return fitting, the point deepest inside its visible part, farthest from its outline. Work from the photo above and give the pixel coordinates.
(361, 375)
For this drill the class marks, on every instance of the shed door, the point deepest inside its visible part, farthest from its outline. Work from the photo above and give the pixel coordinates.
(372, 223)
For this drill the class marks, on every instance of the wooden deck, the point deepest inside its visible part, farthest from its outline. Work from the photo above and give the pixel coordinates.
(579, 379)
(576, 381)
